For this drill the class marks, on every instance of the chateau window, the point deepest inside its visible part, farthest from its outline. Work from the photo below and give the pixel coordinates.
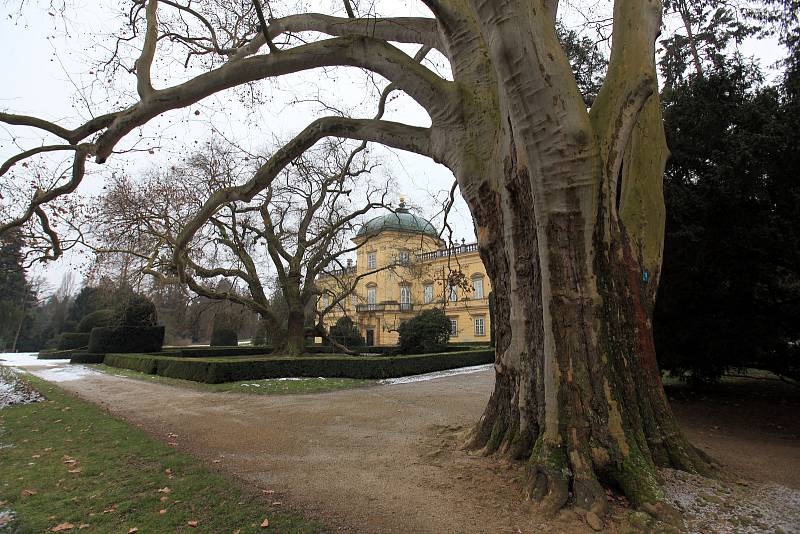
(325, 301)
(405, 257)
(372, 262)
(480, 326)
(453, 295)
(453, 327)
(428, 294)
(477, 284)
(405, 298)
(354, 300)
(372, 297)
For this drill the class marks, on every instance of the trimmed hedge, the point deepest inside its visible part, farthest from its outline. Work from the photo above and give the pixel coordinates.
(86, 357)
(73, 340)
(215, 352)
(214, 371)
(126, 339)
(97, 319)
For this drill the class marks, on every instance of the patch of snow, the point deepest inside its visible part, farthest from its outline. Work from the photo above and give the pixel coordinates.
(6, 518)
(27, 359)
(437, 375)
(13, 391)
(65, 374)
(714, 506)
(51, 370)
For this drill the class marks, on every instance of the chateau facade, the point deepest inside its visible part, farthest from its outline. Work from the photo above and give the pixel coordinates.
(401, 269)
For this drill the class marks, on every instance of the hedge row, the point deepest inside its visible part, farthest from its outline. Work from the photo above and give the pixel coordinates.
(214, 352)
(215, 371)
(218, 352)
(87, 357)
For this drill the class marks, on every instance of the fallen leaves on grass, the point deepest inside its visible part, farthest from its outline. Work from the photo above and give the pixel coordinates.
(265, 523)
(165, 489)
(62, 527)
(192, 523)
(28, 492)
(134, 530)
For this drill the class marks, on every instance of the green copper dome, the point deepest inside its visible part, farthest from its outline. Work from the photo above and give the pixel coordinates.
(399, 221)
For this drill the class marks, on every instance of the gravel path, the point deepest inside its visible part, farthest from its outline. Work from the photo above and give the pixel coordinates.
(387, 458)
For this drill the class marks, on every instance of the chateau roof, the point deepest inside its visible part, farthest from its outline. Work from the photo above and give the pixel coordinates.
(401, 220)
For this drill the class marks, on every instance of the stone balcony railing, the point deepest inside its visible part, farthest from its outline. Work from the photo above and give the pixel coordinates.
(446, 252)
(385, 306)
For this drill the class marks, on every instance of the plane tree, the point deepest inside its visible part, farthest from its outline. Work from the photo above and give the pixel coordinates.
(567, 202)
(284, 238)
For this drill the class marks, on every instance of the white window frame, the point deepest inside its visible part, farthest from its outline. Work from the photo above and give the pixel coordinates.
(480, 326)
(372, 260)
(477, 282)
(405, 295)
(453, 327)
(372, 295)
(354, 300)
(325, 301)
(405, 257)
(428, 294)
(452, 295)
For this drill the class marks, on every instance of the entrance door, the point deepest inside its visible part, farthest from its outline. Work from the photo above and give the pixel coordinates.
(370, 338)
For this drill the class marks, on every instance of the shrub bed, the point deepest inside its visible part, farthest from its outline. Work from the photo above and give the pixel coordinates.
(143, 363)
(215, 352)
(73, 340)
(215, 371)
(126, 339)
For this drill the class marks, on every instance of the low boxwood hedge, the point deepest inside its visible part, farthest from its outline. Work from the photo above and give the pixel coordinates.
(126, 339)
(73, 340)
(86, 357)
(215, 352)
(214, 371)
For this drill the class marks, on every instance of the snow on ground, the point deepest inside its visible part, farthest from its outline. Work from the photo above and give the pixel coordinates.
(27, 359)
(50, 370)
(13, 391)
(743, 508)
(438, 374)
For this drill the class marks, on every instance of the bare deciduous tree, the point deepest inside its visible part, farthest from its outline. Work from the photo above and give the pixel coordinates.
(295, 230)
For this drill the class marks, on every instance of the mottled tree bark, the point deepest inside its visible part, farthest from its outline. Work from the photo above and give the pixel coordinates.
(569, 218)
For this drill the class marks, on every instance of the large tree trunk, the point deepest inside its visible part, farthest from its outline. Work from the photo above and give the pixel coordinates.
(296, 331)
(571, 238)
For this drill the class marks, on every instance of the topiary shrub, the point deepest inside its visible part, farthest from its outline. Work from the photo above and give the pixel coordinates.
(224, 336)
(137, 310)
(97, 318)
(126, 339)
(224, 332)
(73, 340)
(428, 331)
(345, 332)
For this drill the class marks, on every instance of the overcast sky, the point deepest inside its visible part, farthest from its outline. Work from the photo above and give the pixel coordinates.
(47, 63)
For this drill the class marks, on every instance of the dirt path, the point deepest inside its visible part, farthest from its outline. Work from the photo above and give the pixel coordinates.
(385, 458)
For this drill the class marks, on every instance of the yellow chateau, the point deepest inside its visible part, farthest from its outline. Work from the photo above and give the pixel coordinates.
(403, 268)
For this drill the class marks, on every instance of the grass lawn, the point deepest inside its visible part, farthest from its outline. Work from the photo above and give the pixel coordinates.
(67, 462)
(252, 387)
